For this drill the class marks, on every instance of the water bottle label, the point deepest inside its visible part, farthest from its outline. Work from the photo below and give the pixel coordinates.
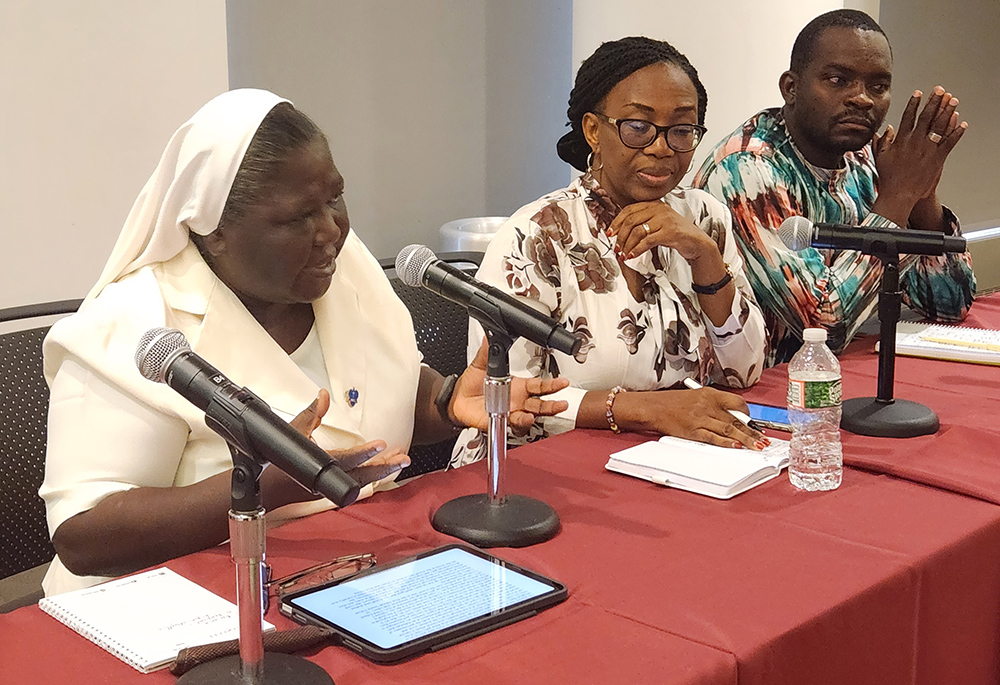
(813, 394)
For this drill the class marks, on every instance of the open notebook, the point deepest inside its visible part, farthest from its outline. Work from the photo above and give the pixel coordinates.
(955, 343)
(719, 472)
(147, 618)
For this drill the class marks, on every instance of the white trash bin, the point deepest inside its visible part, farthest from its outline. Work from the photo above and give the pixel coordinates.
(470, 235)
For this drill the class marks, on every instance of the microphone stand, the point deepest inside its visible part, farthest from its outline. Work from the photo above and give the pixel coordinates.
(883, 416)
(496, 519)
(247, 542)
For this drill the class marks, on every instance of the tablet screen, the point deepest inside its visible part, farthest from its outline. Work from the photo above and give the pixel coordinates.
(399, 603)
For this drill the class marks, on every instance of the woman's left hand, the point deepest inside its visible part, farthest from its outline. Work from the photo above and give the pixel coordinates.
(468, 405)
(644, 225)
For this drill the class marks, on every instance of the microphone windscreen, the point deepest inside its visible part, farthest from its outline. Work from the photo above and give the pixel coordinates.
(411, 263)
(796, 232)
(155, 348)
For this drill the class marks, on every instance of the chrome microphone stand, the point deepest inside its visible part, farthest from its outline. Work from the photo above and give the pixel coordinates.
(496, 519)
(247, 541)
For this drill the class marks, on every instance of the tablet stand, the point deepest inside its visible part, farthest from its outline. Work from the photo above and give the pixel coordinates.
(247, 542)
(497, 519)
(883, 416)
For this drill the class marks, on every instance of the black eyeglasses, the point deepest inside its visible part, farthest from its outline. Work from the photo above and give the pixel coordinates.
(638, 133)
(341, 567)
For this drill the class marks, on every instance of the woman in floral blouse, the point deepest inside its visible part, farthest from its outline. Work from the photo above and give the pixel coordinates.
(648, 273)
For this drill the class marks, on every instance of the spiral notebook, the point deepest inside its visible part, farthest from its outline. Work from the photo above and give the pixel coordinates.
(953, 343)
(720, 472)
(145, 619)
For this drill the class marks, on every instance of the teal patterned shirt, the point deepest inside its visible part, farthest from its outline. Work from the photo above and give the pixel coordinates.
(760, 175)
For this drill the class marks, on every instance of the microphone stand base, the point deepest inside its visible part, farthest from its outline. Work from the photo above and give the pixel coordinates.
(517, 521)
(894, 419)
(279, 669)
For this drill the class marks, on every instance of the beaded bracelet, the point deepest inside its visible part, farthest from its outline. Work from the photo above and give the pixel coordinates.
(609, 403)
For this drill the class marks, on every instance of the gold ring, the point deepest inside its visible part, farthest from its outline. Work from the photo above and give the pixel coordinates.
(934, 137)
(646, 227)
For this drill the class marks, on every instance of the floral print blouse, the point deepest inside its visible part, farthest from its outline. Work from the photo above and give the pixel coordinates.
(553, 254)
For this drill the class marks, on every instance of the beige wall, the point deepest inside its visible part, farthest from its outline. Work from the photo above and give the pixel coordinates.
(92, 92)
(956, 45)
(400, 90)
(529, 74)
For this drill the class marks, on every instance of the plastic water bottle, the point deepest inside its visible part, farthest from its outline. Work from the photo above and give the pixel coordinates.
(817, 460)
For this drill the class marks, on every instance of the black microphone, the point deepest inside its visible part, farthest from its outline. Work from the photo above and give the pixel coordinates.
(417, 265)
(243, 419)
(798, 233)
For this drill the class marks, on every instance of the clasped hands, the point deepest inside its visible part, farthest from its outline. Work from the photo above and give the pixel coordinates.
(910, 160)
(642, 226)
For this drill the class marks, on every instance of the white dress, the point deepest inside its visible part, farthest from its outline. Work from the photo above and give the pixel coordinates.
(111, 430)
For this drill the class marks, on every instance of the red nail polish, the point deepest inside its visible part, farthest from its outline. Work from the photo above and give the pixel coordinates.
(759, 445)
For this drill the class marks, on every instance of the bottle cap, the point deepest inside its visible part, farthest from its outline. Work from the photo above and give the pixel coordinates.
(814, 335)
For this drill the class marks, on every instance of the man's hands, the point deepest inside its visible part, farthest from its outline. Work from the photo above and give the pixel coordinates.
(468, 404)
(910, 161)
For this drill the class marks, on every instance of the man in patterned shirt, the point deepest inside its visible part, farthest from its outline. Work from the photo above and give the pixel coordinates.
(819, 156)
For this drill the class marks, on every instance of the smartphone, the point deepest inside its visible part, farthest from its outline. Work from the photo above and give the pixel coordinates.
(770, 417)
(425, 602)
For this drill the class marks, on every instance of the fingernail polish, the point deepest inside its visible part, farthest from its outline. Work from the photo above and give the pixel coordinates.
(760, 444)
(737, 444)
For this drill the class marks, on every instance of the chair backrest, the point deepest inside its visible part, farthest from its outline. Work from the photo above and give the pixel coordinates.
(442, 330)
(24, 398)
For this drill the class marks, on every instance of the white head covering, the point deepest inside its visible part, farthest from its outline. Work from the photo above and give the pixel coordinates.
(189, 188)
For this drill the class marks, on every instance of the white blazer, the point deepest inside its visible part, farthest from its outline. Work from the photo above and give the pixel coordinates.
(111, 430)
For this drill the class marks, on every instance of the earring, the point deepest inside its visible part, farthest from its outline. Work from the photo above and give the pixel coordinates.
(590, 163)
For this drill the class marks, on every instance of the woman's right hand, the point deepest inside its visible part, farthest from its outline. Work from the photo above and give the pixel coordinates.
(701, 415)
(365, 463)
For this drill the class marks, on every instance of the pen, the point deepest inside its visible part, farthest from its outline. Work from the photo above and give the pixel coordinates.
(695, 385)
(963, 343)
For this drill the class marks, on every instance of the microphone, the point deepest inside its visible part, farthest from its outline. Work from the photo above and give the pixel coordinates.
(798, 233)
(417, 265)
(243, 419)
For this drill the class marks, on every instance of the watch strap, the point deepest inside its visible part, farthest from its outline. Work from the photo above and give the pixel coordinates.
(443, 399)
(714, 287)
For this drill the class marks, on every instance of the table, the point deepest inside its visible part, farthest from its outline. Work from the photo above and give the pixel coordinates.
(893, 578)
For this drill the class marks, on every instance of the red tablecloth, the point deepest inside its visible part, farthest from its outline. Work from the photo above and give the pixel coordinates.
(889, 579)
(964, 455)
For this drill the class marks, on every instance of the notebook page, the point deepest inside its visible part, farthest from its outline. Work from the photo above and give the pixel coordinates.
(720, 466)
(147, 618)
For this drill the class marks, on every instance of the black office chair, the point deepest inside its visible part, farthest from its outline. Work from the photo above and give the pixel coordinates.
(442, 329)
(25, 548)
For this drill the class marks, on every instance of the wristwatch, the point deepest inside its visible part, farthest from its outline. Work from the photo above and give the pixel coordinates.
(443, 399)
(714, 287)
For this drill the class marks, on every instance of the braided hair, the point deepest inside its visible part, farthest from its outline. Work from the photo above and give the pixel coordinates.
(610, 64)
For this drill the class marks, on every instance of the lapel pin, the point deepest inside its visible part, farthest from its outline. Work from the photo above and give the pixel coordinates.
(352, 396)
